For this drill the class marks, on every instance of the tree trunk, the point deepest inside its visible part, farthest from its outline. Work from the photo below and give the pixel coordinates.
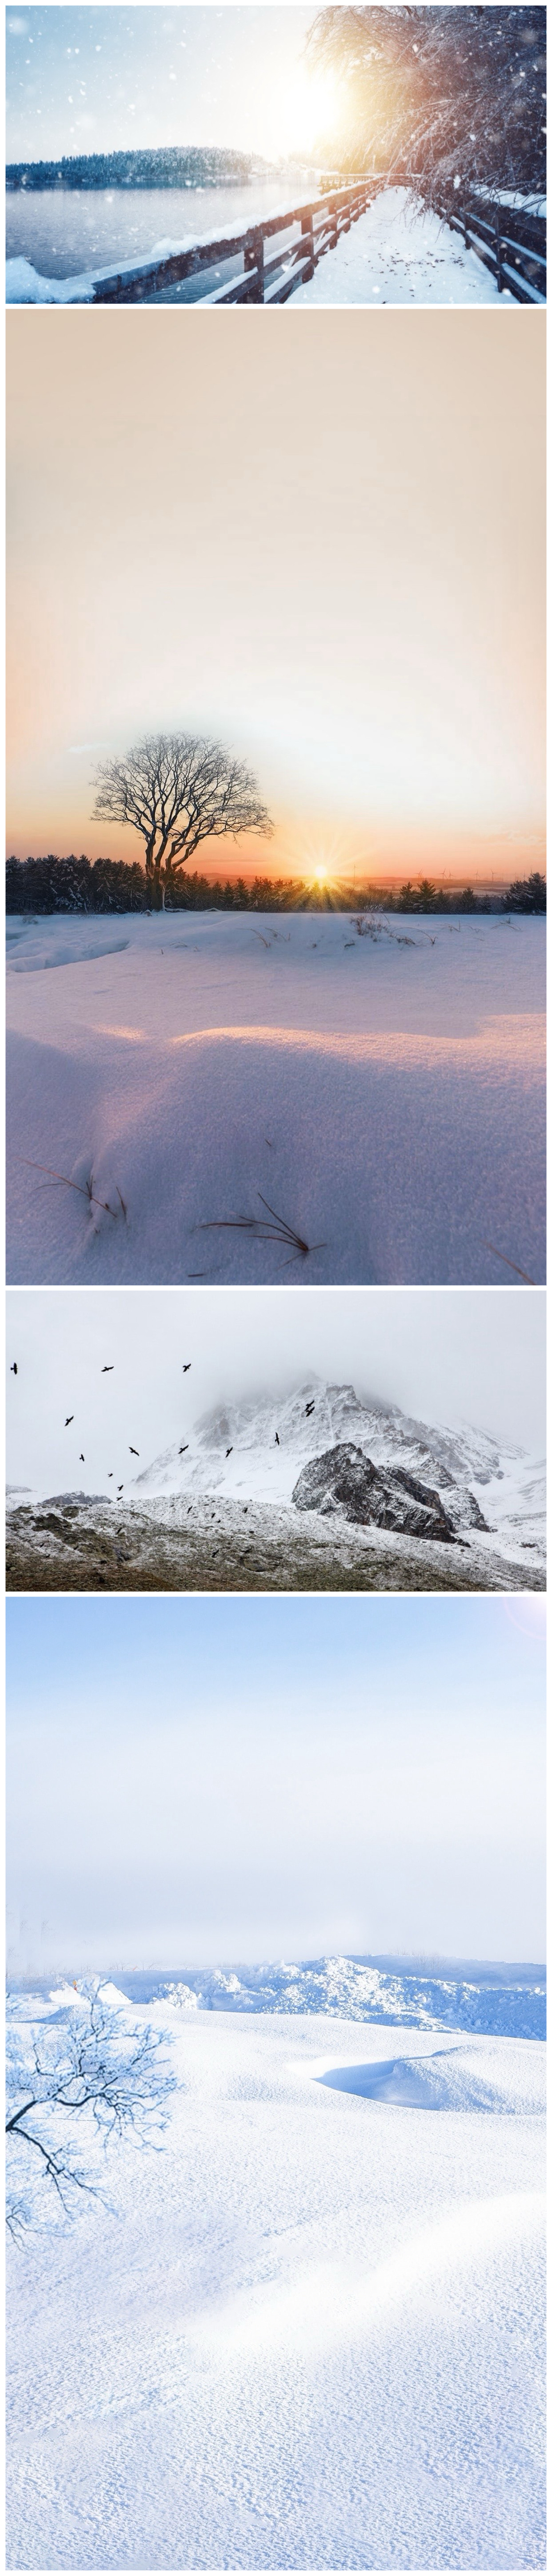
(154, 890)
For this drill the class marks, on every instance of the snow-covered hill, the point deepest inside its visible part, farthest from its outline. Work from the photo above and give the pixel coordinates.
(307, 2332)
(255, 1450)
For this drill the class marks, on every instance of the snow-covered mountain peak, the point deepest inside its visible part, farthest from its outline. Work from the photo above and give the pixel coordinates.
(254, 1449)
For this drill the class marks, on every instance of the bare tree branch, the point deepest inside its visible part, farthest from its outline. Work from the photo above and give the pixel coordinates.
(89, 2062)
(177, 790)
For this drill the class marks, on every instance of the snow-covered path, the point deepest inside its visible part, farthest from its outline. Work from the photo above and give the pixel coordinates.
(384, 1095)
(400, 253)
(309, 2332)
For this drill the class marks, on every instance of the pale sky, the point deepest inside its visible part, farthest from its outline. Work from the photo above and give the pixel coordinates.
(103, 79)
(287, 531)
(447, 1356)
(192, 1782)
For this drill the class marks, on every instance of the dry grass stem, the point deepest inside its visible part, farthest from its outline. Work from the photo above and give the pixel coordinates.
(278, 1232)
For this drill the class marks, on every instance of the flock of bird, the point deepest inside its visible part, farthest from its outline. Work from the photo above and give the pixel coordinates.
(107, 1371)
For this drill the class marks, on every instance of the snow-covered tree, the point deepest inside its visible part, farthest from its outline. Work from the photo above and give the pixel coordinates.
(436, 96)
(84, 2075)
(177, 790)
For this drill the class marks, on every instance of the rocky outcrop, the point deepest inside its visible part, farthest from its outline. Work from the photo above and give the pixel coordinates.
(464, 1510)
(345, 1480)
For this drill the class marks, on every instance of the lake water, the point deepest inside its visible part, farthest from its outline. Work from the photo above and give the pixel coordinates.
(65, 232)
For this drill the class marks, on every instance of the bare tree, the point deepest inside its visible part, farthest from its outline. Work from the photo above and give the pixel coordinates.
(432, 95)
(177, 790)
(84, 2062)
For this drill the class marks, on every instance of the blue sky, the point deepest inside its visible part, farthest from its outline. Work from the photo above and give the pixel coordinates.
(201, 1780)
(96, 80)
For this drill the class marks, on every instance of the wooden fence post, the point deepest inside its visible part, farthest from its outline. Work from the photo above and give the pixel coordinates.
(307, 232)
(332, 210)
(253, 258)
(498, 255)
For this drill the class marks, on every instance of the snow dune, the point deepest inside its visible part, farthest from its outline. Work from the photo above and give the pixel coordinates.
(385, 1095)
(308, 2333)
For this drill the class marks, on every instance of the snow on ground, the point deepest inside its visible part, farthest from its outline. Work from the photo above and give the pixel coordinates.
(400, 253)
(307, 2333)
(384, 1093)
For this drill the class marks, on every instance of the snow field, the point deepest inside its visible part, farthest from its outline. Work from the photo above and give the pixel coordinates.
(308, 2332)
(386, 1096)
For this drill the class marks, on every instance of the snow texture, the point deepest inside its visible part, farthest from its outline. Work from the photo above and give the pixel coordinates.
(384, 1094)
(307, 2333)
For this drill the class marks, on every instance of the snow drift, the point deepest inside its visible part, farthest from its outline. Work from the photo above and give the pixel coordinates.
(384, 1096)
(308, 2333)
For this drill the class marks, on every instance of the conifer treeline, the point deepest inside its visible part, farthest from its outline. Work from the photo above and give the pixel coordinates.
(165, 166)
(85, 885)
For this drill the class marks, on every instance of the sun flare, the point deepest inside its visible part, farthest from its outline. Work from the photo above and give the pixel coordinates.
(306, 109)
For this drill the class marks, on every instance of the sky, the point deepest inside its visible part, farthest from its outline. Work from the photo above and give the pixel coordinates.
(200, 1781)
(287, 532)
(447, 1356)
(97, 80)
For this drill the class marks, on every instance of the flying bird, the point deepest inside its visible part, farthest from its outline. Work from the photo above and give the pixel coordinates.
(109, 1473)
(309, 1408)
(81, 1457)
(185, 1445)
(277, 1439)
(134, 1453)
(229, 1451)
(107, 1371)
(13, 1369)
(186, 1364)
(119, 1489)
(69, 1418)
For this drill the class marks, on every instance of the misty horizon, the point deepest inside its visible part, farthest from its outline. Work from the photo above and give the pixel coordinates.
(145, 1793)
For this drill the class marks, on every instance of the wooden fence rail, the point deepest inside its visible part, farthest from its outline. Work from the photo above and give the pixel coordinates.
(259, 280)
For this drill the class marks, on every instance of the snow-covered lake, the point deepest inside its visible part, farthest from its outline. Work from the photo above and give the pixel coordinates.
(383, 1093)
(308, 2331)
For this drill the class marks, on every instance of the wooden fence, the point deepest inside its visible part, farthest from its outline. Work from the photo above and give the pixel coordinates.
(237, 270)
(510, 242)
(264, 266)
